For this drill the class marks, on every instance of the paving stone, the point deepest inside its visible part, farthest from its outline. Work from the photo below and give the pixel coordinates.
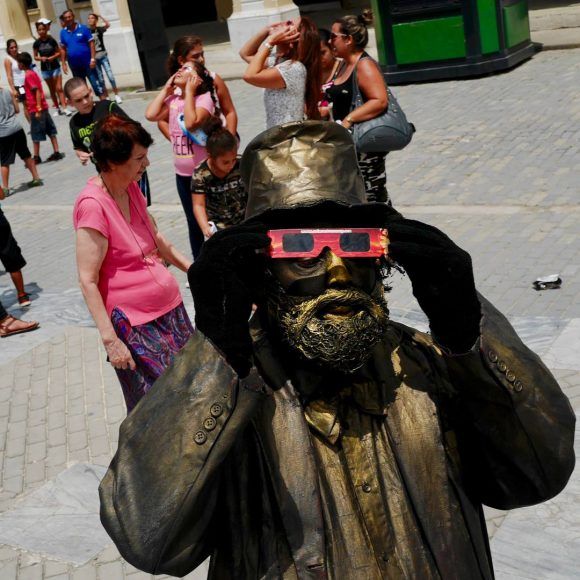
(55, 569)
(59, 519)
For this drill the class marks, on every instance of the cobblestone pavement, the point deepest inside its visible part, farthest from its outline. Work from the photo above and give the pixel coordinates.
(494, 164)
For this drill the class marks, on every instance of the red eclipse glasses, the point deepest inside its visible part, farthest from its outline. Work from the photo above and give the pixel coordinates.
(346, 243)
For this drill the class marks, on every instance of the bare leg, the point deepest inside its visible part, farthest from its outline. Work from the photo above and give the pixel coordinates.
(31, 166)
(5, 175)
(52, 88)
(18, 282)
(58, 83)
(36, 148)
(54, 143)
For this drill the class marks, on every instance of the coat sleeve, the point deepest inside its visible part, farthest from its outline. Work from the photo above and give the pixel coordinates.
(160, 493)
(514, 427)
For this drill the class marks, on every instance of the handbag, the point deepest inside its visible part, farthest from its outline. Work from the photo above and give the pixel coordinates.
(390, 131)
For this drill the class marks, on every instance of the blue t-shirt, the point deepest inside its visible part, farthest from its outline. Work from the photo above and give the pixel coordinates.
(77, 46)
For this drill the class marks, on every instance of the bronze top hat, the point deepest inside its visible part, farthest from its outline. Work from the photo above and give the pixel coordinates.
(301, 164)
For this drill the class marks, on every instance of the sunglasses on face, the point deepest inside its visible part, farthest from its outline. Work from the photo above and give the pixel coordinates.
(345, 243)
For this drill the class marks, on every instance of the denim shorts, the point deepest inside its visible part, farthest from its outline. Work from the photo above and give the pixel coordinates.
(41, 128)
(51, 74)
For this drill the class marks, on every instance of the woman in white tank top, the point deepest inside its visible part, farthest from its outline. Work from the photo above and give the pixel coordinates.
(14, 75)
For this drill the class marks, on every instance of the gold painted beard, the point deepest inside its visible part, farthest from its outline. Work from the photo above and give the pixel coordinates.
(337, 329)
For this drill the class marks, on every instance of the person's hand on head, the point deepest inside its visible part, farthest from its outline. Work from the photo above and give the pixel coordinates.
(442, 278)
(169, 86)
(284, 35)
(225, 280)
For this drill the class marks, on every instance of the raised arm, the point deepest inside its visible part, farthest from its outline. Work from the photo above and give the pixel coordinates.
(251, 47)
(157, 109)
(193, 116)
(269, 78)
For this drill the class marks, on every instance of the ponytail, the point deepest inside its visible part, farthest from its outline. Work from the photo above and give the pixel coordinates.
(219, 139)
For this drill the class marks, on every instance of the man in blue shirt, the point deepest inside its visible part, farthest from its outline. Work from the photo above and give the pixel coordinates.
(78, 47)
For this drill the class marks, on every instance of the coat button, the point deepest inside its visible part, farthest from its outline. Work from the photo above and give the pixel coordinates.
(510, 376)
(518, 386)
(200, 437)
(216, 410)
(502, 366)
(209, 424)
(492, 356)
(366, 487)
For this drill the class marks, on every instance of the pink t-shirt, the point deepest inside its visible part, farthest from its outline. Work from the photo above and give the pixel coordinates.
(143, 288)
(186, 154)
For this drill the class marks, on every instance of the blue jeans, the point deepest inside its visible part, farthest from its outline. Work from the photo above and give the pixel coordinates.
(104, 64)
(183, 183)
(90, 74)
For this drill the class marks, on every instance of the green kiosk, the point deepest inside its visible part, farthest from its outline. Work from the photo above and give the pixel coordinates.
(421, 40)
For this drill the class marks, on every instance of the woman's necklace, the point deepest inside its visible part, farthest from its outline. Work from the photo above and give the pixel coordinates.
(149, 259)
(125, 192)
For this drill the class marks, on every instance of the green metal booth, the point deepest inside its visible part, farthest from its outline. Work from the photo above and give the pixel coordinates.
(421, 40)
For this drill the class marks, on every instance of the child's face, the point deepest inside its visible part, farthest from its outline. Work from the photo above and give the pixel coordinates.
(183, 75)
(42, 31)
(225, 162)
(196, 54)
(81, 99)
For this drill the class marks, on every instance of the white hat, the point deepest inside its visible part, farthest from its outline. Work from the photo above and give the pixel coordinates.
(44, 21)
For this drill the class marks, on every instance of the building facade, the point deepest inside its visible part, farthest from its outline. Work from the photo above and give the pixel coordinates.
(140, 27)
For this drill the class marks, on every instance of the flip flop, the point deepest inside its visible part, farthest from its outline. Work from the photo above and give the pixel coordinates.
(5, 331)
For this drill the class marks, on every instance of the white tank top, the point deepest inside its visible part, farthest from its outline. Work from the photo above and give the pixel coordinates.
(17, 74)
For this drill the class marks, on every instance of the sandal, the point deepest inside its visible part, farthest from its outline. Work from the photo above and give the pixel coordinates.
(11, 325)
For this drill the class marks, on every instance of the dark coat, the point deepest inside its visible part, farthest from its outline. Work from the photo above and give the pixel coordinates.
(211, 465)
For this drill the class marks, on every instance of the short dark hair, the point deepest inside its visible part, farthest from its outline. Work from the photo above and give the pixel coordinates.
(24, 59)
(73, 84)
(114, 138)
(61, 17)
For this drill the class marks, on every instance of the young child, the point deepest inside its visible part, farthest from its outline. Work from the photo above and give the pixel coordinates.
(41, 123)
(13, 141)
(218, 193)
(80, 96)
(188, 94)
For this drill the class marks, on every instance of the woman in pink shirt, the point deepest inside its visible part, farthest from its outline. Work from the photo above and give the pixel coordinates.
(133, 298)
(187, 94)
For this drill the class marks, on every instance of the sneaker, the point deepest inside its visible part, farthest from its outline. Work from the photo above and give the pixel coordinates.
(118, 99)
(57, 113)
(56, 156)
(67, 112)
(7, 192)
(24, 300)
(37, 160)
(35, 183)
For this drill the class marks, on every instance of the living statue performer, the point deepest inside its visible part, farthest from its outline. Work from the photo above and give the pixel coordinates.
(323, 440)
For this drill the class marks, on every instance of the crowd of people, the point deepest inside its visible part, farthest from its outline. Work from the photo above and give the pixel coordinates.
(306, 73)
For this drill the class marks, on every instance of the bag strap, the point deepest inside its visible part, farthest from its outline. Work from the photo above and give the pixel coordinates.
(357, 96)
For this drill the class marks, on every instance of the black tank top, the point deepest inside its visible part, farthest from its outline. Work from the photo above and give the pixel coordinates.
(340, 95)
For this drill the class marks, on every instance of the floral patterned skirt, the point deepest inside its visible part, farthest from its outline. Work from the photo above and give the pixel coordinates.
(153, 346)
